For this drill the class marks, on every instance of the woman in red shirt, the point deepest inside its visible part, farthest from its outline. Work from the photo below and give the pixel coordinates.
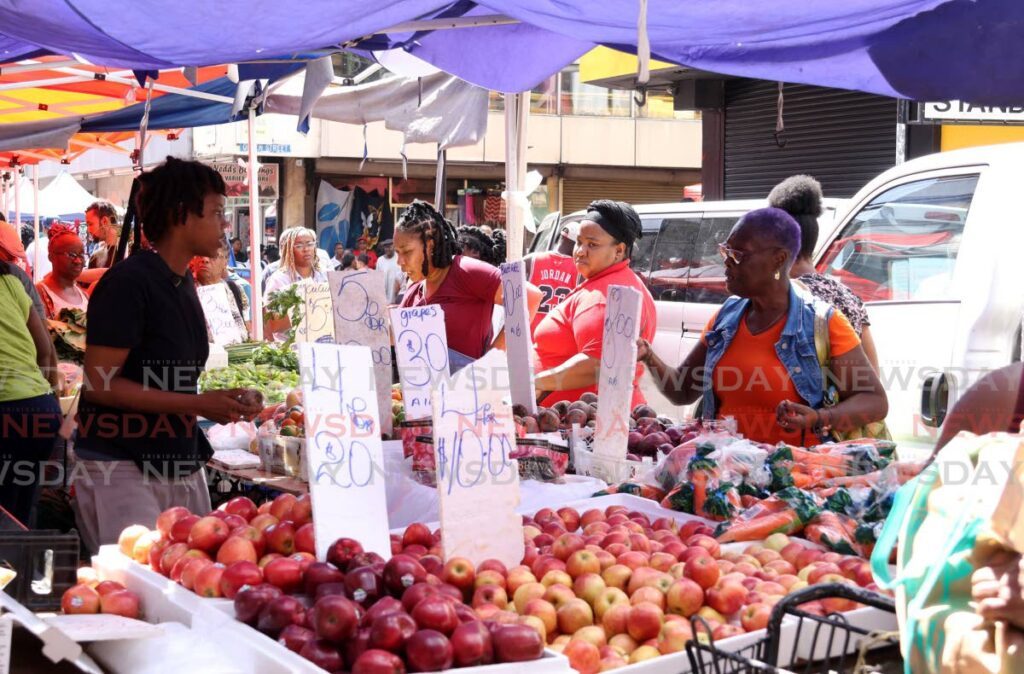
(569, 339)
(466, 289)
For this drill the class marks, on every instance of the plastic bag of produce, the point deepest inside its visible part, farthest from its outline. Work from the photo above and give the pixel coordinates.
(744, 462)
(679, 499)
(785, 512)
(238, 435)
(671, 470)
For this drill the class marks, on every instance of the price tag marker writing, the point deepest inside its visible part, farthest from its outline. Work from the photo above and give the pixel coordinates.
(421, 349)
(518, 343)
(618, 365)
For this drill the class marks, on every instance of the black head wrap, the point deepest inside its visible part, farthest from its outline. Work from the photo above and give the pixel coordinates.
(617, 218)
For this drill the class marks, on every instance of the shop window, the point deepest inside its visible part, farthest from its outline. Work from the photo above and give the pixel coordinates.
(660, 106)
(903, 244)
(580, 98)
(543, 98)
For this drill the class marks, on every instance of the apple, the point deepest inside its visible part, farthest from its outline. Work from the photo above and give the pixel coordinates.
(755, 617)
(556, 577)
(617, 575)
(570, 517)
(559, 595)
(429, 651)
(302, 510)
(145, 542)
(251, 600)
(583, 656)
(489, 577)
(236, 576)
(167, 518)
(280, 612)
(207, 581)
(581, 562)
(863, 575)
(294, 637)
(615, 620)
(726, 631)
(281, 538)
(191, 571)
(648, 595)
(726, 598)
(402, 572)
(644, 621)
(517, 577)
(684, 597)
(746, 568)
(335, 618)
(129, 536)
(807, 557)
(525, 593)
(791, 552)
(237, 549)
(781, 567)
(703, 570)
(263, 521)
(592, 633)
(543, 610)
(706, 542)
(623, 643)
(612, 596)
(80, 599)
(517, 643)
(120, 602)
(284, 573)
(208, 533)
(662, 561)
(534, 623)
(565, 545)
(492, 565)
(305, 539)
(634, 559)
(588, 587)
(573, 615)
(108, 586)
(323, 654)
(281, 507)
(695, 551)
(490, 594)
(169, 556)
(459, 572)
(819, 570)
(674, 548)
(643, 653)
(531, 532)
(391, 631)
(343, 550)
(436, 613)
(641, 575)
(418, 593)
(364, 585)
(592, 516)
(616, 550)
(674, 636)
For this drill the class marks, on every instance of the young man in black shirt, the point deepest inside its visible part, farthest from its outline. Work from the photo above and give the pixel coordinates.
(140, 449)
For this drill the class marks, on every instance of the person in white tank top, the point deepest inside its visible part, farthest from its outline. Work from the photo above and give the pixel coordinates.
(59, 289)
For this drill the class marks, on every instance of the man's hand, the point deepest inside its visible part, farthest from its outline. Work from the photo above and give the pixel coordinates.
(997, 587)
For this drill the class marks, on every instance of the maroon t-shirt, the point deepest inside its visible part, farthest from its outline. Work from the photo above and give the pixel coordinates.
(467, 297)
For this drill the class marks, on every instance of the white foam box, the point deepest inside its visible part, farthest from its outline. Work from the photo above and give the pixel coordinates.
(162, 599)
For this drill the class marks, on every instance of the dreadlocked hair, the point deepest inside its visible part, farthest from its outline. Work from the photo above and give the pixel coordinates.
(489, 249)
(286, 243)
(168, 193)
(423, 219)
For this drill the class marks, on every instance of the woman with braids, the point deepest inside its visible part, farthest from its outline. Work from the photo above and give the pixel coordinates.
(569, 339)
(139, 447)
(467, 289)
(299, 261)
(477, 244)
(59, 289)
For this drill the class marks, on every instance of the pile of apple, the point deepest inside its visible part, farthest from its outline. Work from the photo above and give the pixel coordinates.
(89, 595)
(611, 588)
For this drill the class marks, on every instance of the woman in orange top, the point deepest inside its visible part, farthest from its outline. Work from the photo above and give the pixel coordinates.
(757, 360)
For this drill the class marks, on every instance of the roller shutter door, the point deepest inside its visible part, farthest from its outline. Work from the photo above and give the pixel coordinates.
(842, 138)
(576, 194)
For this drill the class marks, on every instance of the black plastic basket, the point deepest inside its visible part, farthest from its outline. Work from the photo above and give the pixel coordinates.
(832, 631)
(46, 563)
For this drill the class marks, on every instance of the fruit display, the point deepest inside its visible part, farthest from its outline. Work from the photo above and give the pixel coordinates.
(353, 611)
(397, 406)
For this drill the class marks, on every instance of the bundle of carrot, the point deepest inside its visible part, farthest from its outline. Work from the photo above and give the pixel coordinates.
(634, 488)
(785, 512)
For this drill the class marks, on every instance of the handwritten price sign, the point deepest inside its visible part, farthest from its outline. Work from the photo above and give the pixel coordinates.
(343, 447)
(360, 317)
(317, 324)
(223, 320)
(518, 342)
(421, 348)
(618, 365)
(477, 480)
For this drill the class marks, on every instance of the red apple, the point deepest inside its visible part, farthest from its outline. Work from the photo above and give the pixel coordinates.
(323, 654)
(583, 656)
(574, 615)
(280, 612)
(402, 572)
(170, 555)
(429, 651)
(755, 617)
(281, 537)
(305, 540)
(460, 573)
(120, 602)
(726, 631)
(472, 645)
(726, 598)
(237, 576)
(241, 506)
(207, 581)
(165, 521)
(673, 636)
(302, 510)
(250, 600)
(570, 518)
(281, 508)
(191, 571)
(391, 630)
(417, 593)
(181, 528)
(703, 570)
(706, 542)
(377, 661)
(80, 599)
(436, 613)
(342, 551)
(517, 643)
(685, 597)
(237, 549)
(283, 573)
(208, 533)
(294, 637)
(262, 521)
(335, 618)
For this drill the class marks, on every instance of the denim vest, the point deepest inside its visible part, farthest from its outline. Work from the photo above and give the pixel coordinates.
(795, 347)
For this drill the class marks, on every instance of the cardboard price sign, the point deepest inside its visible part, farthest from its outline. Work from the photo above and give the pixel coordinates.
(618, 365)
(477, 478)
(224, 323)
(421, 348)
(317, 324)
(518, 342)
(343, 447)
(360, 317)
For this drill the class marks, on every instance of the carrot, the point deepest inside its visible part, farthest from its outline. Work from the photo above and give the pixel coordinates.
(801, 480)
(679, 499)
(785, 522)
(833, 531)
(809, 457)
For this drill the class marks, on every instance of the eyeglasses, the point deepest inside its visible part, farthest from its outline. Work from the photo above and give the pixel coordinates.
(738, 256)
(74, 256)
(305, 246)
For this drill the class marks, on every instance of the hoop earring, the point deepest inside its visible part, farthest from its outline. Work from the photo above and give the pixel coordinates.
(777, 275)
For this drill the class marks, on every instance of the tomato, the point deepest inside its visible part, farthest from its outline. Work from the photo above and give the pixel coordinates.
(297, 417)
(287, 423)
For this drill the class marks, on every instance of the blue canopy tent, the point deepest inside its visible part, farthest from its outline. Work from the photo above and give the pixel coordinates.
(915, 49)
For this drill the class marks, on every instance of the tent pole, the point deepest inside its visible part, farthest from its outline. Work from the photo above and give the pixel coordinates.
(441, 181)
(516, 112)
(255, 231)
(35, 219)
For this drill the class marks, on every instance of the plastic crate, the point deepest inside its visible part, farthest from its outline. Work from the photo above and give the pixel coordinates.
(46, 563)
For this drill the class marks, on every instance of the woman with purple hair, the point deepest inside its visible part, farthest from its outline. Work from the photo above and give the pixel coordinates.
(757, 361)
